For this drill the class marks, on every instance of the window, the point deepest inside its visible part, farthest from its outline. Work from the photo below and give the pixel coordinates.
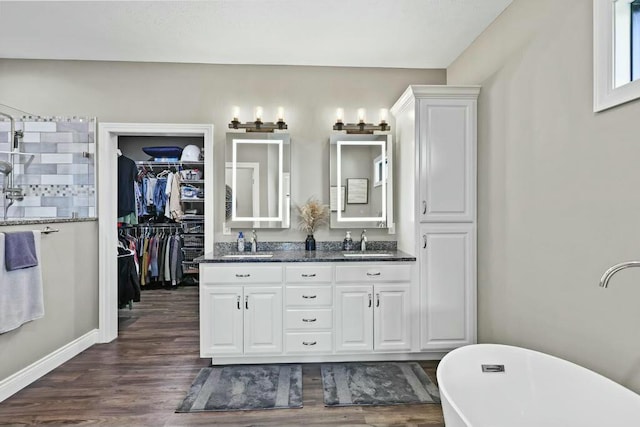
(616, 43)
(635, 39)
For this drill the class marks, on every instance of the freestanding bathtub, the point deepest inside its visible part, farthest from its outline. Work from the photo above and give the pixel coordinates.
(534, 390)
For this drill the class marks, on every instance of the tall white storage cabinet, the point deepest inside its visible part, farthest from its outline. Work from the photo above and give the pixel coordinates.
(436, 128)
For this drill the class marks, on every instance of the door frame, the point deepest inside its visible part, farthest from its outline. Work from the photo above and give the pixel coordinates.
(107, 166)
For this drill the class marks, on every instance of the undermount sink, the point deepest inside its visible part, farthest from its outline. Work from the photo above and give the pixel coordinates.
(366, 254)
(248, 255)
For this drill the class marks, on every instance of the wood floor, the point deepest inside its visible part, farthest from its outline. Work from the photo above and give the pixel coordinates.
(140, 378)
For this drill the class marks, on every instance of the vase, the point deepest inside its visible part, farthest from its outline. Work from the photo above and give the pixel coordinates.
(310, 243)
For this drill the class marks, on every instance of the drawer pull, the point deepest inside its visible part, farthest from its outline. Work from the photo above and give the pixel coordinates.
(424, 239)
(424, 207)
(309, 320)
(246, 302)
(377, 300)
(239, 303)
(309, 296)
(243, 275)
(309, 275)
(369, 300)
(309, 342)
(373, 274)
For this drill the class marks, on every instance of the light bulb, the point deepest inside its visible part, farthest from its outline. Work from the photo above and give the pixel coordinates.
(259, 114)
(236, 113)
(281, 114)
(339, 115)
(384, 115)
(361, 115)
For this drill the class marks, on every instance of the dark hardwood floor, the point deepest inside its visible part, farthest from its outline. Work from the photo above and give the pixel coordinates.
(140, 378)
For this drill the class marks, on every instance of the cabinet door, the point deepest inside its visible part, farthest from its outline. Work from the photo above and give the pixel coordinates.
(448, 286)
(354, 318)
(392, 317)
(262, 319)
(447, 149)
(220, 320)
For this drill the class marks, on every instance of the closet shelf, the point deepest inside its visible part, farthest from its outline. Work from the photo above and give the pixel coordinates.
(152, 163)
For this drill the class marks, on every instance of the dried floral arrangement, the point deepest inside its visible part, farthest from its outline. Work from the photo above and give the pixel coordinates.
(312, 215)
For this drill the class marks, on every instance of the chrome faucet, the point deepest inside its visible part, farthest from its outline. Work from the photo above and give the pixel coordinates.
(604, 280)
(363, 241)
(254, 241)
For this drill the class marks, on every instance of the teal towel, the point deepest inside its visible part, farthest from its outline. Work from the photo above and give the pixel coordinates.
(19, 250)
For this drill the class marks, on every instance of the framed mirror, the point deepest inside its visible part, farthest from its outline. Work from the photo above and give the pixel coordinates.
(361, 181)
(257, 180)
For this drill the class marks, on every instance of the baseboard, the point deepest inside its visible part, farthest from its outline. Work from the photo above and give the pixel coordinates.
(16, 382)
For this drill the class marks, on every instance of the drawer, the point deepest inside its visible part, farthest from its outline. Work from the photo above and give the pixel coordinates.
(373, 273)
(240, 273)
(308, 342)
(320, 318)
(308, 296)
(311, 274)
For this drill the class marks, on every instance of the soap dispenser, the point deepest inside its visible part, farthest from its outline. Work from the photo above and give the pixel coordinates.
(347, 244)
(240, 242)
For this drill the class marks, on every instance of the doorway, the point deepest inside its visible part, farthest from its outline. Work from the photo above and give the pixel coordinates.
(107, 146)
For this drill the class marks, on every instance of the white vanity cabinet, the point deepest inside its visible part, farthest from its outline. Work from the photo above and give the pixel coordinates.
(447, 283)
(308, 312)
(373, 308)
(447, 180)
(309, 309)
(240, 310)
(436, 129)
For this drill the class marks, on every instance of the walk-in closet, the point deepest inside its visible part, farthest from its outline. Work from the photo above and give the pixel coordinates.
(161, 202)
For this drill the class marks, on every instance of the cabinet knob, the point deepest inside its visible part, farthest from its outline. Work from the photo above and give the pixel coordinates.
(309, 342)
(309, 296)
(424, 207)
(424, 241)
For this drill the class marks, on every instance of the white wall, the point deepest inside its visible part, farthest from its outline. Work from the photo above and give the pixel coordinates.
(69, 261)
(200, 93)
(558, 194)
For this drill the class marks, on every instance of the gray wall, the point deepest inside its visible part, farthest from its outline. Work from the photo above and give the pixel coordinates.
(558, 198)
(199, 93)
(69, 261)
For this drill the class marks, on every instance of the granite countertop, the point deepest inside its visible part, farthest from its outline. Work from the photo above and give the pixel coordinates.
(26, 221)
(297, 255)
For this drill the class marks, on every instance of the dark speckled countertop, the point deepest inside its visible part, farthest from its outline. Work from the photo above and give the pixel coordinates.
(293, 252)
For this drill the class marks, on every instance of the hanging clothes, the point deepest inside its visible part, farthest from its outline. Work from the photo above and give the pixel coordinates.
(128, 282)
(127, 173)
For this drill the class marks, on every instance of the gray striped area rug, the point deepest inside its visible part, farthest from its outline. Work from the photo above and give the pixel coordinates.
(377, 383)
(245, 387)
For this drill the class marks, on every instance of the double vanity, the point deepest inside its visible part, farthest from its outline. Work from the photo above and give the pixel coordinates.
(412, 299)
(307, 306)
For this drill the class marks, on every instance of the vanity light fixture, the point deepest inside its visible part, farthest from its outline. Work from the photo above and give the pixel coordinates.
(362, 127)
(258, 125)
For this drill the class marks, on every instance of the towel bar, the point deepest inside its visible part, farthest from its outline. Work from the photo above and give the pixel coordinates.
(49, 230)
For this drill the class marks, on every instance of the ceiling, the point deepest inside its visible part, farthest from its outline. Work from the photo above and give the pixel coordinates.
(354, 33)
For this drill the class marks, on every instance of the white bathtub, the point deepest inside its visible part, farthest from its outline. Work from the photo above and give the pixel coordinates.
(535, 390)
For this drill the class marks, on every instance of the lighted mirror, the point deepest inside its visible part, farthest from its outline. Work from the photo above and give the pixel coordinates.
(361, 184)
(257, 180)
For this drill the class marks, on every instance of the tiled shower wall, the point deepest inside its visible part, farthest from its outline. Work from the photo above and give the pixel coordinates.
(57, 173)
